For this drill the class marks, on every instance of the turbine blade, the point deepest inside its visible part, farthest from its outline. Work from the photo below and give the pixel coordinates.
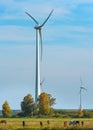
(32, 18)
(83, 88)
(47, 18)
(40, 34)
(43, 81)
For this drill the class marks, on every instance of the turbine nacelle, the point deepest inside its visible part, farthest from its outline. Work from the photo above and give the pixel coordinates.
(38, 27)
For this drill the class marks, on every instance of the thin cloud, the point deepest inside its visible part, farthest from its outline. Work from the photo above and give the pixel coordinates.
(16, 33)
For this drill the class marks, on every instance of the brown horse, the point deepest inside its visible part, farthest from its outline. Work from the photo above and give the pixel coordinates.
(65, 123)
(3, 122)
(48, 122)
(41, 123)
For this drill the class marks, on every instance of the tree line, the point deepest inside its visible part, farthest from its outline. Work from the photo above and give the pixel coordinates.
(43, 108)
(29, 108)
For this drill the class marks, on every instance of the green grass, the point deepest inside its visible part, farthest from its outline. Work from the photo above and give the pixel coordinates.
(55, 124)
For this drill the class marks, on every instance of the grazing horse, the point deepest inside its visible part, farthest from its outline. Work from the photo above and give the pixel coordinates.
(77, 122)
(23, 123)
(72, 122)
(65, 123)
(41, 123)
(82, 123)
(3, 122)
(48, 122)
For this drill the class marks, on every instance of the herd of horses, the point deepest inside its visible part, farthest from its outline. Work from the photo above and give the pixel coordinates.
(41, 123)
(66, 123)
(73, 122)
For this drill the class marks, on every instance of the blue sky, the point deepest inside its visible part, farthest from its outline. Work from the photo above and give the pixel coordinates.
(67, 51)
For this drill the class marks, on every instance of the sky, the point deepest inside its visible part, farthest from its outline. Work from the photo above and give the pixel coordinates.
(67, 51)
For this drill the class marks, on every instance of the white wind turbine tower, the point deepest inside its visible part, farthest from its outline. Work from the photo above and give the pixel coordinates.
(81, 88)
(38, 48)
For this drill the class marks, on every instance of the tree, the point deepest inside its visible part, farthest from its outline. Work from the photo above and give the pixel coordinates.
(44, 104)
(28, 105)
(80, 113)
(6, 110)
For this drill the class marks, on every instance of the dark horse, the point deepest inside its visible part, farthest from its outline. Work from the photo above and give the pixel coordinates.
(3, 122)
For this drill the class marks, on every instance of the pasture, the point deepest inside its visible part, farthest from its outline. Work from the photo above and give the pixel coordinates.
(54, 124)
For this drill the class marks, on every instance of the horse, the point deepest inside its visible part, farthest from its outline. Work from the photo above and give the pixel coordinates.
(41, 123)
(23, 123)
(48, 122)
(77, 122)
(72, 122)
(65, 123)
(82, 123)
(3, 122)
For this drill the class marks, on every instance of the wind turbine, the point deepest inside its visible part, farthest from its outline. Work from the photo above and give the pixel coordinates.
(81, 88)
(38, 48)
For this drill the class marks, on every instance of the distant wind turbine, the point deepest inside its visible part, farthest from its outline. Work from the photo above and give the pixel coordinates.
(81, 89)
(38, 48)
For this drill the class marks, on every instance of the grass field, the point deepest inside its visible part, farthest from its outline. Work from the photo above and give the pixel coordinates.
(34, 124)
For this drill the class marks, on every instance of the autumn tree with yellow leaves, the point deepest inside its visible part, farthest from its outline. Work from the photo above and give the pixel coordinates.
(6, 110)
(44, 103)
